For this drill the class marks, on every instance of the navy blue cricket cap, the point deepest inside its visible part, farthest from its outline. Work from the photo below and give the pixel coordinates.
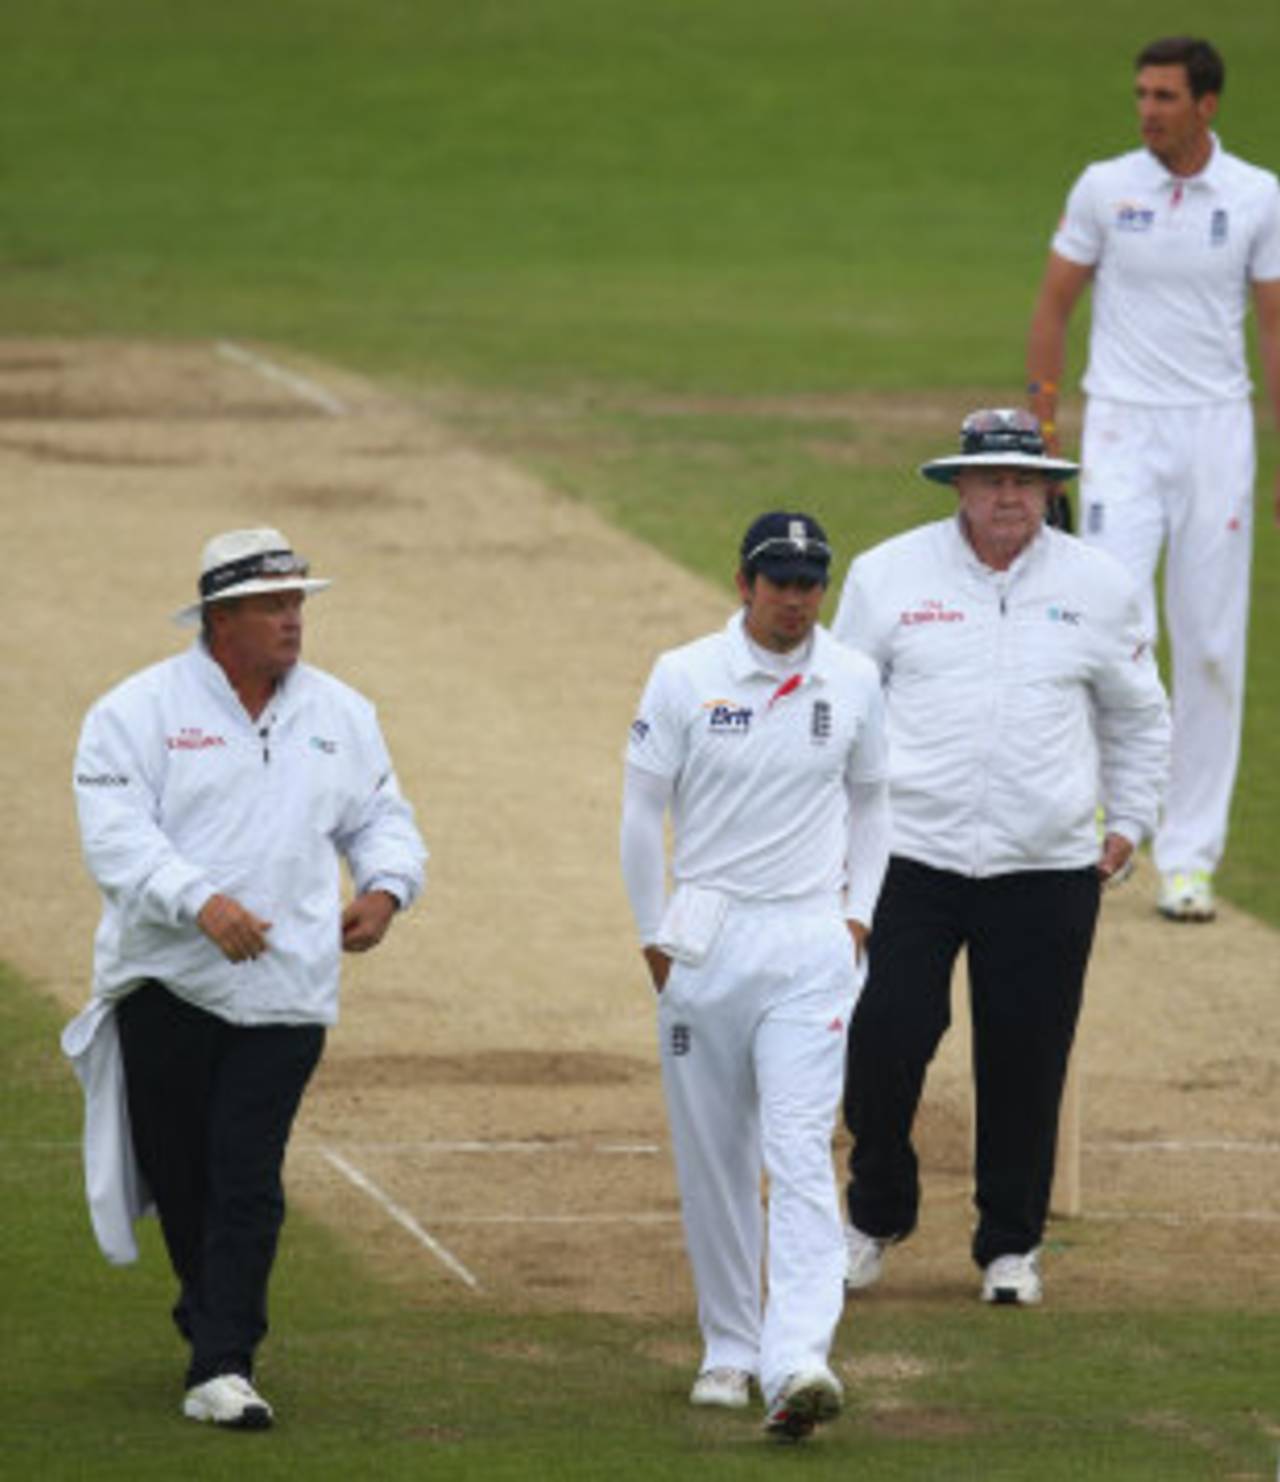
(786, 547)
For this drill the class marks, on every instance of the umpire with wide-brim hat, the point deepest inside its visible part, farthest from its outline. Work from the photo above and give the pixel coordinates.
(220, 793)
(1021, 697)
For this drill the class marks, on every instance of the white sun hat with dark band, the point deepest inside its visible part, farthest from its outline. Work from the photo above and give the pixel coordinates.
(246, 563)
(1004, 437)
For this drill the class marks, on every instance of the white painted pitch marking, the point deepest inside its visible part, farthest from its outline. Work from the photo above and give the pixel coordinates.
(539, 1145)
(558, 1219)
(1199, 1145)
(401, 1217)
(1159, 1217)
(301, 386)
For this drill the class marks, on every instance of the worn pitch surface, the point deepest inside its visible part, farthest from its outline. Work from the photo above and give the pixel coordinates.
(489, 1110)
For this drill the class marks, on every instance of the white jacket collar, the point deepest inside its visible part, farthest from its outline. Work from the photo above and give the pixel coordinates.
(978, 567)
(212, 678)
(743, 663)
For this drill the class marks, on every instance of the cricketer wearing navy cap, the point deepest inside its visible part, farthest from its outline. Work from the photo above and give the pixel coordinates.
(764, 742)
(787, 548)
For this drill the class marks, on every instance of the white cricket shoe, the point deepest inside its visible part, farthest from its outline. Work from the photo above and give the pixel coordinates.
(1013, 1281)
(863, 1259)
(807, 1399)
(730, 1389)
(1187, 895)
(230, 1400)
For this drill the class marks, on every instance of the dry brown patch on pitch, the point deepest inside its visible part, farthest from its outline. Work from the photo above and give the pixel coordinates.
(482, 1068)
(673, 1353)
(57, 451)
(918, 1423)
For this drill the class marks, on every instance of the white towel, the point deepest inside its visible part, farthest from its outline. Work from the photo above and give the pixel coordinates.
(116, 1191)
(691, 923)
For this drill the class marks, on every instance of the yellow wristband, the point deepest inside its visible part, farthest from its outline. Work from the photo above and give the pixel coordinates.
(1050, 429)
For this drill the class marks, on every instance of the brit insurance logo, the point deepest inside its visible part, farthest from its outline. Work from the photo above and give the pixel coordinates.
(727, 718)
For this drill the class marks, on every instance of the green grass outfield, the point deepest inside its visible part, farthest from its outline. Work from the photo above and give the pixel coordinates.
(632, 244)
(372, 1384)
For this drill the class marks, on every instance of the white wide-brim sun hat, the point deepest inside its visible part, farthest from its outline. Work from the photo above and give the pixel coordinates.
(247, 563)
(1005, 437)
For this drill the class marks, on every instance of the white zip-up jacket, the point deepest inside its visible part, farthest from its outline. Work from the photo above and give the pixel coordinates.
(1017, 700)
(182, 795)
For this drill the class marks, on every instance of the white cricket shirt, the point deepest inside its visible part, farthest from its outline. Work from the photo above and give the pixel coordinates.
(760, 761)
(1175, 257)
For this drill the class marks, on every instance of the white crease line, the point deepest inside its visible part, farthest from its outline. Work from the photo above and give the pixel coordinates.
(1203, 1145)
(541, 1145)
(557, 1219)
(301, 386)
(401, 1217)
(428, 1145)
(1159, 1217)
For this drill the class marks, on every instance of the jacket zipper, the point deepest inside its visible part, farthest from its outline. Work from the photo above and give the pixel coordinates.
(997, 669)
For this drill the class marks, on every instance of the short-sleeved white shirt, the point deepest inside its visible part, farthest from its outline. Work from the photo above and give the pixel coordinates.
(1175, 257)
(759, 761)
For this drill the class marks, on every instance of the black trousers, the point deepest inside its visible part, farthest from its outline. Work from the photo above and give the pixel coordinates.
(211, 1105)
(1028, 937)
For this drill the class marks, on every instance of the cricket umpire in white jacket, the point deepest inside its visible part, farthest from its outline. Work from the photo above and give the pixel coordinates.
(766, 742)
(1021, 694)
(218, 792)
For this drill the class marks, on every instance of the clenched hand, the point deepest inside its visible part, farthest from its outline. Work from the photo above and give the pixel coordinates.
(365, 921)
(237, 933)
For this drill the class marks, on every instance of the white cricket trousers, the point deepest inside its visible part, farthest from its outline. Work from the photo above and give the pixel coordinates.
(1183, 478)
(752, 1047)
